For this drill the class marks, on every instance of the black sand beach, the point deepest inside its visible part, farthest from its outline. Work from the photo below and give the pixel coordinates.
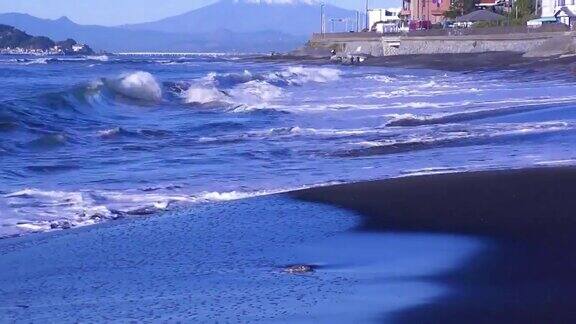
(527, 277)
(486, 61)
(476, 61)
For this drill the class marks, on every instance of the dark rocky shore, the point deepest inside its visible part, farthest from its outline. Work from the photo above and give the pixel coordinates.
(526, 277)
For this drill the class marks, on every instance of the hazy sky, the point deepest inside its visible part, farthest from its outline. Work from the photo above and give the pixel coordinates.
(116, 12)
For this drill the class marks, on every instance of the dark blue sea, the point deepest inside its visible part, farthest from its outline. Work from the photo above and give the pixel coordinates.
(88, 139)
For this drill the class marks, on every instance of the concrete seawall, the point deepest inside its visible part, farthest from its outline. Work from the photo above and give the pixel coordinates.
(374, 45)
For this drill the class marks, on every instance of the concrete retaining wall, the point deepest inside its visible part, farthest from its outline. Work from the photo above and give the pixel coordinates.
(406, 45)
(466, 46)
(520, 43)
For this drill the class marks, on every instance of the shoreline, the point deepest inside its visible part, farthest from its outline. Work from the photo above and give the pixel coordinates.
(529, 214)
(523, 272)
(463, 62)
(485, 61)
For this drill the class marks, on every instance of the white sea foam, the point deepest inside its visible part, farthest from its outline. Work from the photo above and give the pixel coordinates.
(254, 92)
(111, 132)
(299, 75)
(431, 137)
(101, 58)
(247, 95)
(432, 170)
(381, 78)
(40, 60)
(557, 162)
(203, 95)
(138, 85)
(248, 91)
(57, 210)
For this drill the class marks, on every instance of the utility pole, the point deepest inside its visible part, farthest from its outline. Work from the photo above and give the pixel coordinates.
(357, 21)
(367, 17)
(322, 18)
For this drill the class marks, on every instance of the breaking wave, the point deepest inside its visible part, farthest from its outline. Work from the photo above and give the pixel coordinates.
(137, 85)
(250, 90)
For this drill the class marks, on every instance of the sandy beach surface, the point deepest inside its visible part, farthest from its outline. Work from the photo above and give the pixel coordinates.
(224, 263)
(493, 246)
(524, 276)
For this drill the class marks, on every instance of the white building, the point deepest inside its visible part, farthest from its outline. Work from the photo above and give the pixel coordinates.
(563, 11)
(78, 47)
(384, 20)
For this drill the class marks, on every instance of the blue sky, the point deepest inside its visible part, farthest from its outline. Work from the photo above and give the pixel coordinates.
(116, 12)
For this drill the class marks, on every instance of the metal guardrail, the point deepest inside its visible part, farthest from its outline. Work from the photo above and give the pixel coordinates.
(358, 35)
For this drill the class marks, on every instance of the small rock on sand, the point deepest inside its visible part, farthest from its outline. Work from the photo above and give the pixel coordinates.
(299, 269)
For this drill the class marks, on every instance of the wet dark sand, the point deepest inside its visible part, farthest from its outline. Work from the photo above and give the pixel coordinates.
(448, 62)
(528, 276)
(475, 62)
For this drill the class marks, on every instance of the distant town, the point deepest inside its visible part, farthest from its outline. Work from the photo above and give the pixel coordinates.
(528, 28)
(431, 14)
(16, 42)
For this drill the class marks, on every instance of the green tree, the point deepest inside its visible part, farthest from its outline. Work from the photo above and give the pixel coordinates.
(523, 9)
(460, 7)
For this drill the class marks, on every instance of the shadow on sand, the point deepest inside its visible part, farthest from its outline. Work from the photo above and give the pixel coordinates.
(528, 276)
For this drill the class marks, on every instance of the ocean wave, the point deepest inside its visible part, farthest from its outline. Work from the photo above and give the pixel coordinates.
(508, 107)
(381, 78)
(452, 137)
(291, 132)
(198, 94)
(117, 132)
(293, 75)
(101, 58)
(247, 91)
(42, 60)
(299, 75)
(138, 85)
(246, 95)
(255, 91)
(411, 92)
(46, 142)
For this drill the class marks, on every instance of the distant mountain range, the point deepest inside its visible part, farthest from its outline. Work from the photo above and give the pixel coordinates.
(227, 25)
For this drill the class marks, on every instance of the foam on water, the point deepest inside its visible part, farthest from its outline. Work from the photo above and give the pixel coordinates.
(95, 144)
(204, 95)
(57, 210)
(138, 85)
(252, 90)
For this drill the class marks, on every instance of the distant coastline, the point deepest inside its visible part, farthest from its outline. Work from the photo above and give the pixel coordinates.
(17, 42)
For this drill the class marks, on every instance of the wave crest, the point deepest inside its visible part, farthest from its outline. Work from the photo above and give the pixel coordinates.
(138, 85)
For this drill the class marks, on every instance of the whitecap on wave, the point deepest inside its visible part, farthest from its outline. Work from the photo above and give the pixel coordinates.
(138, 85)
(246, 91)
